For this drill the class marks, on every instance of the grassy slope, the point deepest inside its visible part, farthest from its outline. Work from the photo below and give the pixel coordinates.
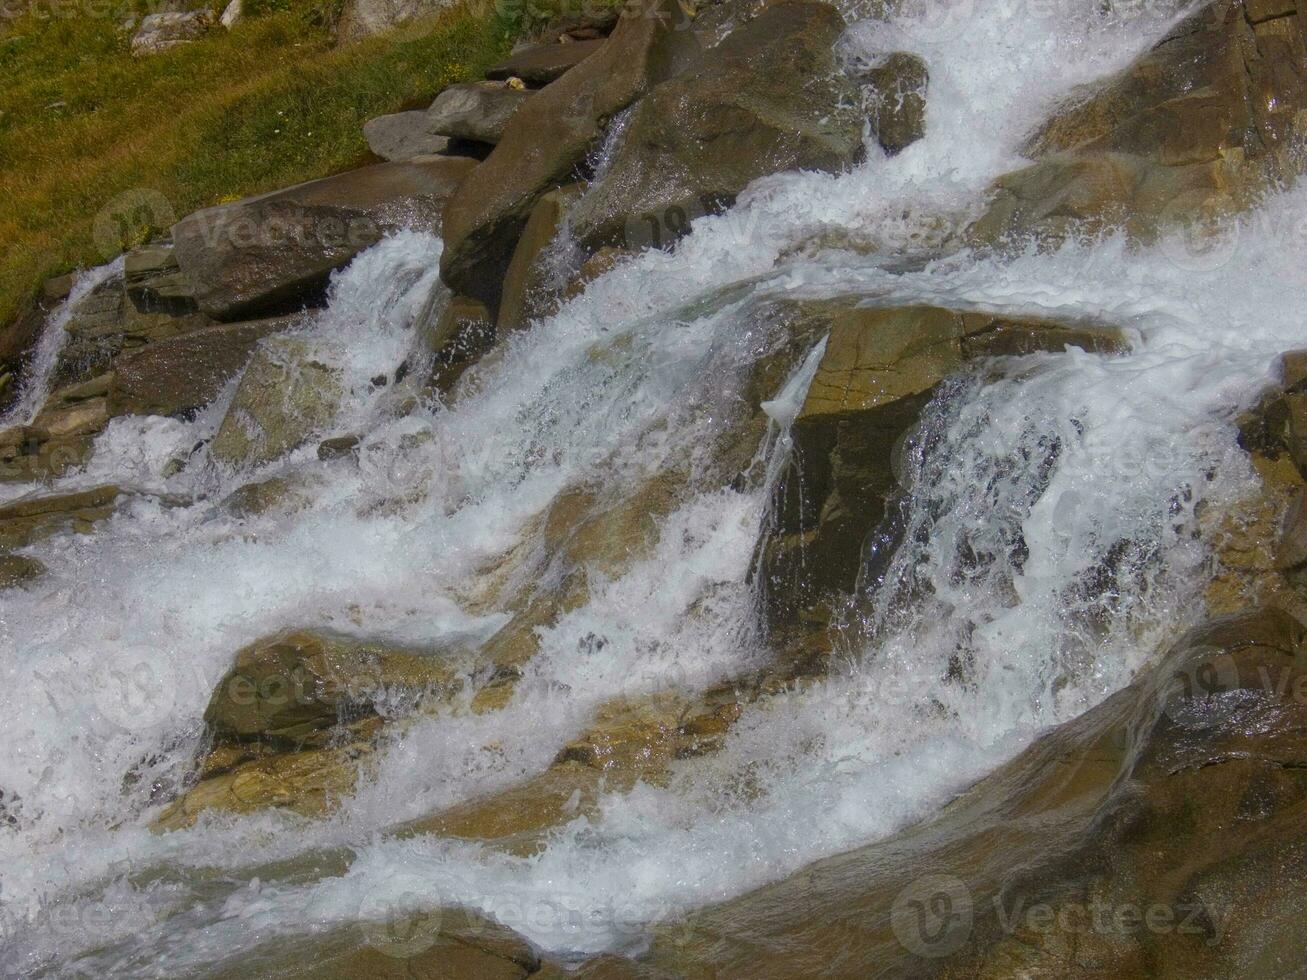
(268, 104)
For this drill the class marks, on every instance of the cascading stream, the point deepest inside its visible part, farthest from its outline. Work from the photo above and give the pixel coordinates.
(1049, 541)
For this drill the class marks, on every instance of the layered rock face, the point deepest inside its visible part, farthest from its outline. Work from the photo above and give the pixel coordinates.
(1196, 129)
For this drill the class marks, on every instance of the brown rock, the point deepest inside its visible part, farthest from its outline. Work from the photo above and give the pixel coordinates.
(297, 683)
(530, 283)
(1195, 129)
(285, 395)
(897, 100)
(880, 368)
(185, 373)
(1176, 797)
(31, 518)
(462, 334)
(436, 944)
(266, 253)
(769, 98)
(18, 570)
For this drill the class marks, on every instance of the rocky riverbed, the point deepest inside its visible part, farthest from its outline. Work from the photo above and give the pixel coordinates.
(748, 489)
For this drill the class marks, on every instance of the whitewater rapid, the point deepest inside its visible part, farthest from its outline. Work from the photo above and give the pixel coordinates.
(167, 593)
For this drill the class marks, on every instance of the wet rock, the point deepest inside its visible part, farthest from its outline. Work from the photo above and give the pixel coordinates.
(58, 440)
(185, 373)
(18, 570)
(338, 447)
(896, 93)
(770, 98)
(880, 368)
(1195, 129)
(403, 136)
(436, 944)
(159, 32)
(277, 493)
(541, 64)
(476, 111)
(298, 717)
(310, 783)
(1277, 426)
(530, 283)
(294, 684)
(32, 518)
(462, 334)
(545, 145)
(285, 395)
(268, 253)
(154, 282)
(122, 315)
(1171, 808)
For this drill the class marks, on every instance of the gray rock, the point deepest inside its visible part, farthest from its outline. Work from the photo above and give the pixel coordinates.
(769, 98)
(159, 32)
(476, 111)
(402, 136)
(264, 254)
(360, 19)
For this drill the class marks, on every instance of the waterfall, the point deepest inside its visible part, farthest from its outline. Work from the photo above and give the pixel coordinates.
(1049, 536)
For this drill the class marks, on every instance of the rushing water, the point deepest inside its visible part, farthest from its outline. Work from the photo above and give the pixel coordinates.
(1034, 484)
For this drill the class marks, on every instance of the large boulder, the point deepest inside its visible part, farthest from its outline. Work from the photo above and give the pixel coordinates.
(545, 145)
(403, 136)
(1148, 837)
(770, 98)
(1195, 129)
(185, 373)
(880, 368)
(271, 252)
(476, 111)
(285, 395)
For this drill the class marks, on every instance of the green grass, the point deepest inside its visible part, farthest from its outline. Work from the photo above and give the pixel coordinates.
(87, 130)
